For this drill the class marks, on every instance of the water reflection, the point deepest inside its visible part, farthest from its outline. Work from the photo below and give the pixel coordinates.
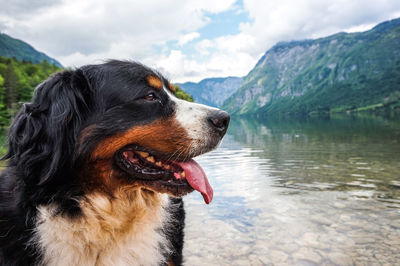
(300, 192)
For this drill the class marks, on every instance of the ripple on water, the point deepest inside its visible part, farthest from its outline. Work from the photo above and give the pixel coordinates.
(323, 198)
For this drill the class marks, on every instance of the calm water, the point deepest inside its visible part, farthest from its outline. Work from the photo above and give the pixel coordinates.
(314, 192)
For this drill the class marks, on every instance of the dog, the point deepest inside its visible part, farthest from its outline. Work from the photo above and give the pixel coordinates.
(97, 164)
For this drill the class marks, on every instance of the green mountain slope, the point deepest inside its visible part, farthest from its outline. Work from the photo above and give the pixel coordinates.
(338, 73)
(10, 47)
(212, 91)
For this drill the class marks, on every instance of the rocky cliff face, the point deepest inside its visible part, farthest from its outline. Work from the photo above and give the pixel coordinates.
(334, 73)
(212, 91)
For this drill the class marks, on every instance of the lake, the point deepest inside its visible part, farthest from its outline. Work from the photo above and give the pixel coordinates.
(300, 192)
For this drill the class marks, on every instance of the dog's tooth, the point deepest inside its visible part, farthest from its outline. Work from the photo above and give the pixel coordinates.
(150, 159)
(159, 164)
(142, 153)
(183, 174)
(167, 166)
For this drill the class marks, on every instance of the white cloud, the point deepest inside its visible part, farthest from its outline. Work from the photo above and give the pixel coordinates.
(81, 32)
(287, 20)
(283, 20)
(188, 38)
(99, 28)
(179, 67)
(23, 8)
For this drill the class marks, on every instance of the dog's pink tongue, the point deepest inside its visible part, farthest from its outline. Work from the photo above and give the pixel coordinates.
(197, 179)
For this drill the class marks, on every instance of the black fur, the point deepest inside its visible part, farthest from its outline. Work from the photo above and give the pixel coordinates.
(44, 154)
(175, 233)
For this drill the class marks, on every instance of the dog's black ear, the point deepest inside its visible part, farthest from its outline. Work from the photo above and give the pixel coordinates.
(43, 135)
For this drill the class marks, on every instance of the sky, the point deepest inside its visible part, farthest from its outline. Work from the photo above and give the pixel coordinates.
(185, 40)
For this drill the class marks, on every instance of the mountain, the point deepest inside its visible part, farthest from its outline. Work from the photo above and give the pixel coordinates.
(340, 73)
(10, 47)
(212, 91)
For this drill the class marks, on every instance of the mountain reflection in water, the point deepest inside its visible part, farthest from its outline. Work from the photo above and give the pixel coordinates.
(303, 192)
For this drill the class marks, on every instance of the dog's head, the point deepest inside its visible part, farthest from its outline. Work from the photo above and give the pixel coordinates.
(103, 127)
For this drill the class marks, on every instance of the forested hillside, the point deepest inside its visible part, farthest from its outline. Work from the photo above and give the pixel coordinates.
(182, 94)
(14, 48)
(17, 82)
(340, 73)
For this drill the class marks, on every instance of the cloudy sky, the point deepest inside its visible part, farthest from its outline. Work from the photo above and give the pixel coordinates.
(185, 40)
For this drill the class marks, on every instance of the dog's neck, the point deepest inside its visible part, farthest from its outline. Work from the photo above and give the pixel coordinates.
(122, 230)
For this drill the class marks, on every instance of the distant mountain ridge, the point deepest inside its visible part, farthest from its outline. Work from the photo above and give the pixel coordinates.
(11, 47)
(212, 91)
(345, 71)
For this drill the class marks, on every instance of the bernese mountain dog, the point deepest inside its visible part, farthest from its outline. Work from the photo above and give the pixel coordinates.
(96, 167)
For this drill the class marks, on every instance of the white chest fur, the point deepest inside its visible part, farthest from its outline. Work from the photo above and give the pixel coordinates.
(122, 231)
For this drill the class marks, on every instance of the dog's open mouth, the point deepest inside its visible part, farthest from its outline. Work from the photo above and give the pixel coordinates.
(175, 177)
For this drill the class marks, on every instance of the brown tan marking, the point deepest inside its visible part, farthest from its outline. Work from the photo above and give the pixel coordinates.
(100, 176)
(165, 136)
(171, 87)
(154, 82)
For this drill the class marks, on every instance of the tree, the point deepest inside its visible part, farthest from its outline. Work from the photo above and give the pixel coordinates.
(4, 116)
(181, 94)
(18, 80)
(10, 83)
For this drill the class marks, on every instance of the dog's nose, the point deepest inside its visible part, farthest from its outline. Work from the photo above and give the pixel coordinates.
(219, 120)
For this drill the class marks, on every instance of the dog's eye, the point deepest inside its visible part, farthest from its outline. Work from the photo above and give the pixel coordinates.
(150, 97)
